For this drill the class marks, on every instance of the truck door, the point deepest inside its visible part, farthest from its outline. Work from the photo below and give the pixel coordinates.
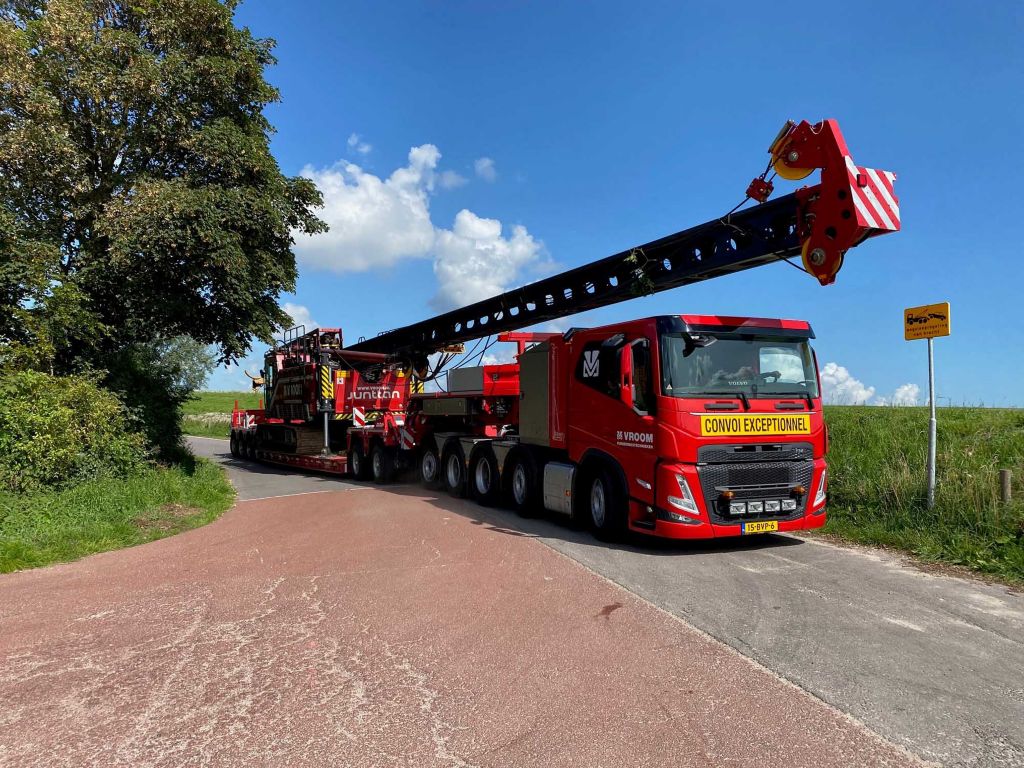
(613, 409)
(634, 432)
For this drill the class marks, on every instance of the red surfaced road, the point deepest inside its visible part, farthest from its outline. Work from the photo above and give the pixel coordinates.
(368, 628)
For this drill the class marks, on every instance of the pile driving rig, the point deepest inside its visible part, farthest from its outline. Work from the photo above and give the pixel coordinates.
(679, 426)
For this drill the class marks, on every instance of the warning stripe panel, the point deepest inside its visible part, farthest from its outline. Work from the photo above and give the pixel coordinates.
(875, 201)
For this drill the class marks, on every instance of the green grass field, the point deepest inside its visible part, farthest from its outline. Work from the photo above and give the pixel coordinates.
(208, 414)
(877, 489)
(43, 528)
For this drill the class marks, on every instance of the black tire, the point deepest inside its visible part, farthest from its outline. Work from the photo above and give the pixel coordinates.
(484, 480)
(358, 466)
(245, 448)
(233, 443)
(382, 464)
(430, 466)
(453, 469)
(605, 502)
(523, 485)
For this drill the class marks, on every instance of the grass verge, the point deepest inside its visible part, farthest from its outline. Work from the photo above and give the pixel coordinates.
(50, 527)
(208, 414)
(877, 488)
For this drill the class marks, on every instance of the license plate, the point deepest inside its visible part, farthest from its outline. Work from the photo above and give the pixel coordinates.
(761, 526)
(742, 424)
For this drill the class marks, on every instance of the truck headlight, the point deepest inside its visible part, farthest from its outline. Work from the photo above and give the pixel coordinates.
(685, 500)
(819, 497)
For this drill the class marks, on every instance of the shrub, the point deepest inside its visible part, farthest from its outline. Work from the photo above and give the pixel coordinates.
(59, 430)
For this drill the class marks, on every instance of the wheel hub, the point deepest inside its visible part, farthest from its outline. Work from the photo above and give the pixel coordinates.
(454, 471)
(429, 467)
(483, 477)
(597, 503)
(519, 484)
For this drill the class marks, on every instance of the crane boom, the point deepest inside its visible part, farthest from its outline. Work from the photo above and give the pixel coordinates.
(819, 223)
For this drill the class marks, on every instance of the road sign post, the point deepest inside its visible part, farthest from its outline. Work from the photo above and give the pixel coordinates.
(928, 322)
(931, 423)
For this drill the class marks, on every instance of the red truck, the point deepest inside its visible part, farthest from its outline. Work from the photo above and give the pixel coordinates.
(677, 426)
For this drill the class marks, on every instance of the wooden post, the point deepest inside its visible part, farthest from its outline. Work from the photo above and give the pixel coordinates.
(1005, 493)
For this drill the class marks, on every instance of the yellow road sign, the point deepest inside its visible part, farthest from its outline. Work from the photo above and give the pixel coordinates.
(926, 322)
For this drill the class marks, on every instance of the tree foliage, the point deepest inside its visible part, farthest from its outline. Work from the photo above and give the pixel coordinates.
(59, 430)
(139, 199)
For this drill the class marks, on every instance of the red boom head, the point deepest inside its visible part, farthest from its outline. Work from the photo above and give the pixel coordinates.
(851, 204)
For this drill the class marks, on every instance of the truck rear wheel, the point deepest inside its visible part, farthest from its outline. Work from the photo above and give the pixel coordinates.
(233, 443)
(485, 484)
(454, 469)
(357, 463)
(523, 486)
(382, 463)
(607, 506)
(430, 467)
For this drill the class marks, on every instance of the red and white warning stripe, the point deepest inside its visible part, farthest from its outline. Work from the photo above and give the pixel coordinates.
(874, 196)
(406, 439)
(358, 417)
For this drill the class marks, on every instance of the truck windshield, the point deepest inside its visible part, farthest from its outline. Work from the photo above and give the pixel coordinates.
(755, 366)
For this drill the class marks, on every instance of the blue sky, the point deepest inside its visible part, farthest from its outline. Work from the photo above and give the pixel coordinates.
(610, 124)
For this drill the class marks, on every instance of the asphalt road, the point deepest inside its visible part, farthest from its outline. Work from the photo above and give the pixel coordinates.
(931, 662)
(321, 622)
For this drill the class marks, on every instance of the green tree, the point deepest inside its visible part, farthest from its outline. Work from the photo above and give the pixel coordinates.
(139, 199)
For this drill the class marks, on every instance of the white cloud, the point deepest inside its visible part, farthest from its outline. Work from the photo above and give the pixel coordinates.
(839, 387)
(484, 167)
(473, 261)
(356, 144)
(376, 223)
(905, 394)
(373, 222)
(451, 180)
(300, 315)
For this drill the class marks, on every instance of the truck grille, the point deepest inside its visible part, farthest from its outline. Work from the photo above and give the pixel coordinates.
(754, 480)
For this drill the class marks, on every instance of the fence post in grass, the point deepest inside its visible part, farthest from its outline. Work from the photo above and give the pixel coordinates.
(1005, 492)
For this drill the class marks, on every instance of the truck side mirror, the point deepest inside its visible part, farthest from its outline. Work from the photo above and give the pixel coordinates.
(626, 376)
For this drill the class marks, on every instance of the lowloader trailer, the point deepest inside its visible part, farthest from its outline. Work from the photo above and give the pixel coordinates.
(680, 426)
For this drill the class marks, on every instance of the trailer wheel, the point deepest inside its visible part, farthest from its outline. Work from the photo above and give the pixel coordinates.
(522, 485)
(357, 463)
(485, 484)
(243, 445)
(607, 506)
(382, 464)
(430, 467)
(453, 464)
(233, 442)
